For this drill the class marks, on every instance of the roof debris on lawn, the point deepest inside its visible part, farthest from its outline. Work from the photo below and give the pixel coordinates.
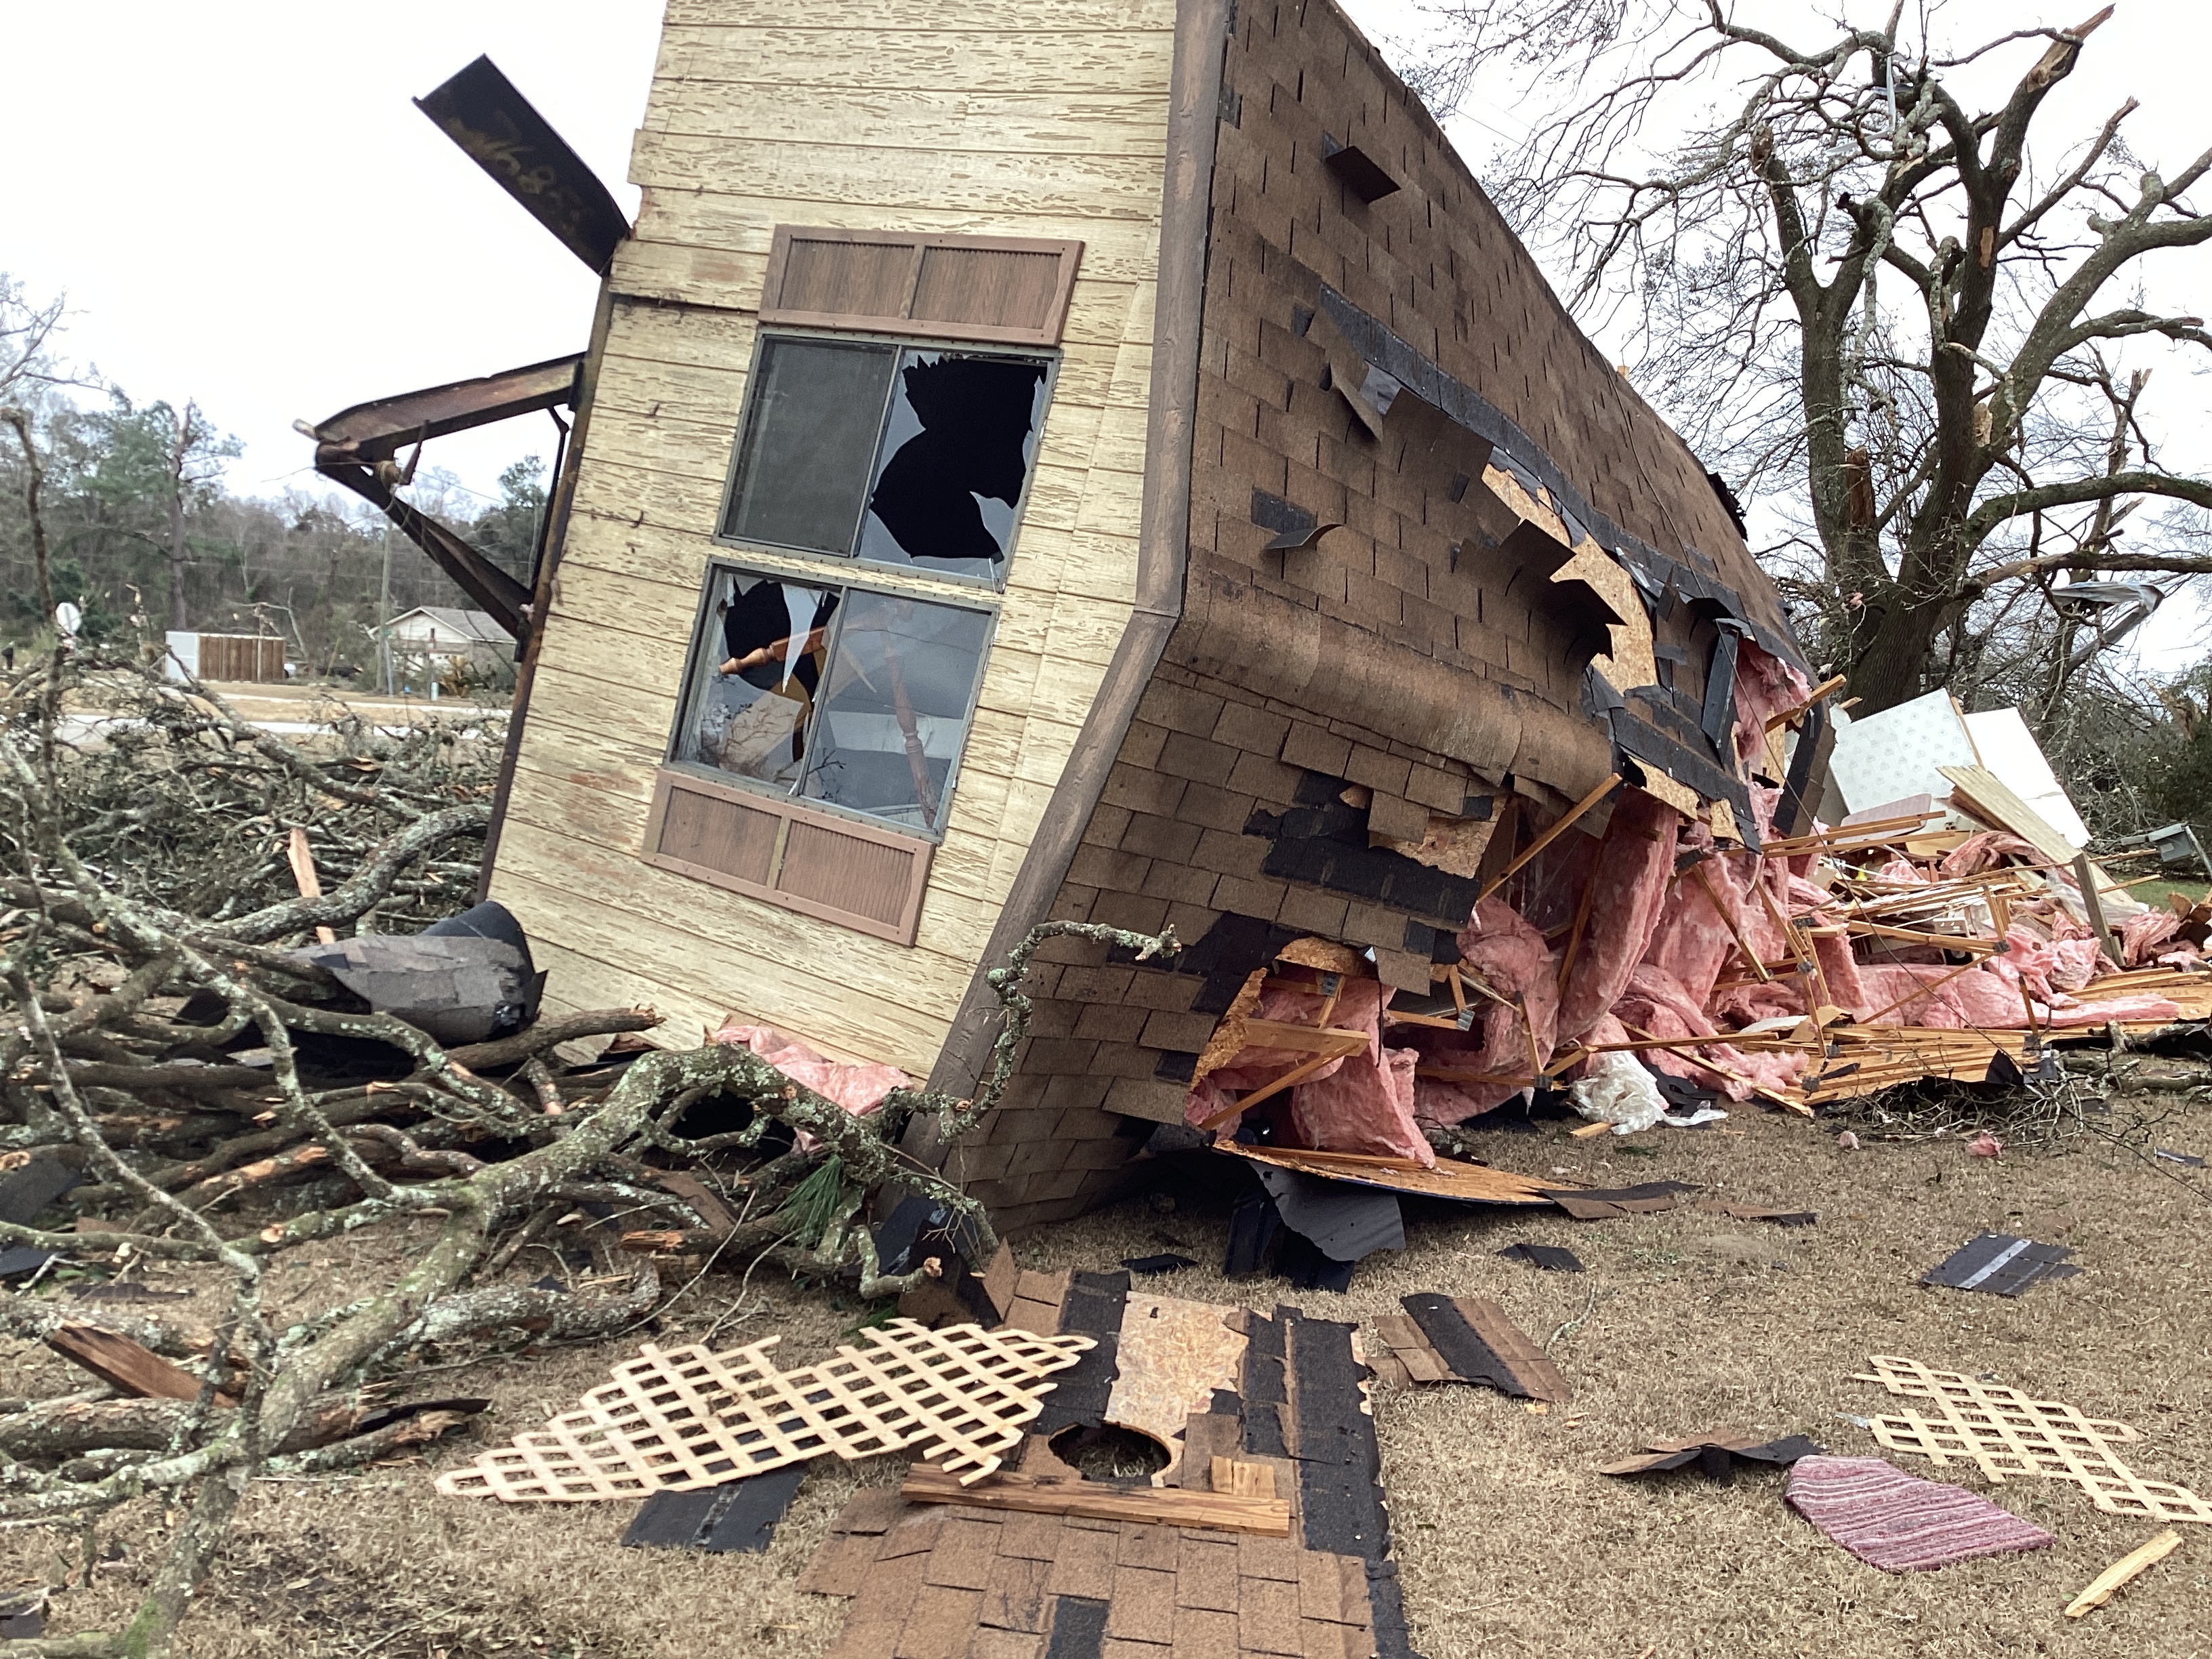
(1713, 1455)
(1900, 1523)
(677, 1420)
(2003, 1432)
(2001, 1264)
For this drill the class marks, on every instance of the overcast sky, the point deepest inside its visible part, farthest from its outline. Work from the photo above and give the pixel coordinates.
(243, 207)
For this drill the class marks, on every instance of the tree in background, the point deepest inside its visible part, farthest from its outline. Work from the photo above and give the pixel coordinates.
(507, 533)
(136, 505)
(1887, 311)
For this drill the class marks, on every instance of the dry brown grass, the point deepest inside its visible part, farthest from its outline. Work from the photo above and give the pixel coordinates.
(1510, 1545)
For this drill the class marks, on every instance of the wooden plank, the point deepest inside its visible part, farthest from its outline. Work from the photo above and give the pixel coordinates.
(1052, 16)
(1468, 1182)
(1328, 1040)
(1122, 124)
(124, 1365)
(824, 169)
(740, 227)
(1983, 793)
(2130, 1566)
(1162, 1506)
(887, 1002)
(841, 61)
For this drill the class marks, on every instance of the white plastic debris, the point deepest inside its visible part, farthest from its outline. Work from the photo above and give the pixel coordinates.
(1619, 1091)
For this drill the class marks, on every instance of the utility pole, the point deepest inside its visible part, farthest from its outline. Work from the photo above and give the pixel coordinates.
(384, 612)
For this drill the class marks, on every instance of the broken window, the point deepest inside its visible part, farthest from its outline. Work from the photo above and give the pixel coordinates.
(901, 456)
(858, 699)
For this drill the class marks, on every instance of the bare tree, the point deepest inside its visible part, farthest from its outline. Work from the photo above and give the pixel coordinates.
(1892, 312)
(193, 461)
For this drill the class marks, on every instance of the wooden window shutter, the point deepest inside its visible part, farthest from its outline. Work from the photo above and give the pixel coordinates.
(788, 853)
(1001, 289)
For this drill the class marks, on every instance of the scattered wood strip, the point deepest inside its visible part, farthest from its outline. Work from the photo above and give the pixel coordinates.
(1467, 1339)
(2131, 1566)
(1472, 1183)
(126, 1366)
(1164, 1506)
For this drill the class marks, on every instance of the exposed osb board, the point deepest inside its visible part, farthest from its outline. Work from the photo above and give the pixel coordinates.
(1174, 1354)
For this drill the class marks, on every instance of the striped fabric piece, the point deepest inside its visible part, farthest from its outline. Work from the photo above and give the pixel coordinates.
(1899, 1523)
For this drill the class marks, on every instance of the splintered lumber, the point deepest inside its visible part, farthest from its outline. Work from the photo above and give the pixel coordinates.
(1236, 1478)
(1688, 1047)
(1472, 1183)
(1565, 821)
(1796, 710)
(2131, 1566)
(124, 1365)
(1091, 1500)
(301, 857)
(1728, 920)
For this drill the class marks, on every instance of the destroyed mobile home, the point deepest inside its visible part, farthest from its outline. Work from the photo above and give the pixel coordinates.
(1230, 536)
(1164, 642)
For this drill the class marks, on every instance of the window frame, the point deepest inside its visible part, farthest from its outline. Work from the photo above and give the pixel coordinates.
(765, 334)
(693, 682)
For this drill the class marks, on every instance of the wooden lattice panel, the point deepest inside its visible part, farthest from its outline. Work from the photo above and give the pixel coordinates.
(2004, 1433)
(686, 1418)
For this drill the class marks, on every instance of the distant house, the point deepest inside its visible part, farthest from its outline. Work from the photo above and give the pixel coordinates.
(431, 640)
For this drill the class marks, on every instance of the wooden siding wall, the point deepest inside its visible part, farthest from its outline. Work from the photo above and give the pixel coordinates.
(1032, 118)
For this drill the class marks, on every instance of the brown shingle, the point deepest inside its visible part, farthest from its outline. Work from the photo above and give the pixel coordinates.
(1315, 750)
(1321, 1586)
(1378, 771)
(1312, 911)
(1268, 1557)
(1202, 1634)
(842, 1565)
(1179, 709)
(1013, 1597)
(941, 1623)
(1255, 729)
(1206, 1574)
(1143, 1605)
(1083, 1565)
(1198, 759)
(1267, 1616)
(1258, 897)
(1396, 817)
(1158, 837)
(1205, 804)
(1444, 791)
(1185, 1033)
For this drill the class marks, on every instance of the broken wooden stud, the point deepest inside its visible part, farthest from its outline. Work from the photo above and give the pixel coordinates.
(2130, 1566)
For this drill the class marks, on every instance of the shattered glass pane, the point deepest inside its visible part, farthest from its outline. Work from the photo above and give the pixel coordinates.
(817, 408)
(896, 709)
(957, 450)
(761, 666)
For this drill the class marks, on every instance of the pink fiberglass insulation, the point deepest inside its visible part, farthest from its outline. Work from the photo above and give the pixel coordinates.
(1509, 957)
(1693, 938)
(1255, 1066)
(1765, 686)
(2141, 936)
(1986, 997)
(1366, 1104)
(1985, 850)
(1656, 1002)
(859, 1089)
(1634, 862)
